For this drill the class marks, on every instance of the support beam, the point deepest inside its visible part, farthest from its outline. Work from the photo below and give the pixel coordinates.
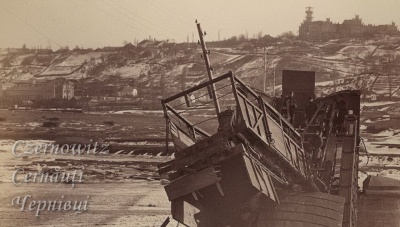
(209, 70)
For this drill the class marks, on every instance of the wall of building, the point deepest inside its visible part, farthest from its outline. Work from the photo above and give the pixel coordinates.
(33, 90)
(323, 30)
(379, 208)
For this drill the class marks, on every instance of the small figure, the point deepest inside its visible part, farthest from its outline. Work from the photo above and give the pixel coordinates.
(291, 106)
(316, 143)
(278, 103)
(311, 108)
(342, 111)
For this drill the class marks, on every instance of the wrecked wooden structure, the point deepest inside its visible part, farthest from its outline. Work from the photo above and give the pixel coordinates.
(239, 162)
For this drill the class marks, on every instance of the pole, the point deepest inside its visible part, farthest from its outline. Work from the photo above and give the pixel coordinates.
(208, 67)
(273, 89)
(265, 69)
(389, 79)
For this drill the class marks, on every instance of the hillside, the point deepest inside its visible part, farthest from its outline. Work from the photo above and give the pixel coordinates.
(369, 65)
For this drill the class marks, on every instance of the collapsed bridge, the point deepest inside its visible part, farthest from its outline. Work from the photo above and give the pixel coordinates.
(241, 163)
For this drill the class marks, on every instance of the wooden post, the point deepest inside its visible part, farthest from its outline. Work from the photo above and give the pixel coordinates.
(265, 69)
(208, 66)
(273, 88)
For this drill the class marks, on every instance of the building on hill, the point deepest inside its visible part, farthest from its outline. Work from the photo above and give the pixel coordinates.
(128, 91)
(129, 47)
(148, 43)
(245, 46)
(40, 90)
(98, 89)
(6, 85)
(111, 49)
(352, 28)
(43, 60)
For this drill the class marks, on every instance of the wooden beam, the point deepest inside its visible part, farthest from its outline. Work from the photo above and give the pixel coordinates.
(191, 183)
(199, 151)
(186, 121)
(195, 88)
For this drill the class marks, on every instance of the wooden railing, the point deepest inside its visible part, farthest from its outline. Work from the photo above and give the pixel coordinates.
(259, 117)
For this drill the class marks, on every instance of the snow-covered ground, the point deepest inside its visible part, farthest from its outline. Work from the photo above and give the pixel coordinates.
(358, 51)
(382, 52)
(71, 63)
(386, 142)
(130, 71)
(324, 83)
(336, 57)
(382, 165)
(114, 197)
(141, 112)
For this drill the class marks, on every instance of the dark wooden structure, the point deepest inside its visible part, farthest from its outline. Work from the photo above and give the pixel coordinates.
(246, 165)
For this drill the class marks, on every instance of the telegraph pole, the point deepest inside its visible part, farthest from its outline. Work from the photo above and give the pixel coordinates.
(265, 69)
(208, 67)
(273, 88)
(389, 73)
(386, 65)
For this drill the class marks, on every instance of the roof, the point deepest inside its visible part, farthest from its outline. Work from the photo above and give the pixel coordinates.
(245, 44)
(129, 46)
(379, 182)
(127, 89)
(148, 42)
(85, 99)
(42, 81)
(145, 43)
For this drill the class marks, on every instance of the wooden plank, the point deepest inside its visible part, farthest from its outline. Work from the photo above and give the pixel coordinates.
(252, 173)
(294, 154)
(164, 164)
(191, 183)
(180, 139)
(187, 100)
(174, 165)
(277, 137)
(259, 178)
(196, 156)
(189, 124)
(198, 87)
(306, 209)
(203, 149)
(165, 167)
(185, 212)
(271, 188)
(266, 126)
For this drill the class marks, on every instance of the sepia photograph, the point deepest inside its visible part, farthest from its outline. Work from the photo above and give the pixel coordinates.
(174, 113)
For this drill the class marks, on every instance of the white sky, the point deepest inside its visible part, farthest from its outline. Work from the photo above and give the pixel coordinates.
(98, 23)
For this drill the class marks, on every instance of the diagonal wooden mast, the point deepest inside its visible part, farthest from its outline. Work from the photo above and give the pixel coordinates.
(209, 69)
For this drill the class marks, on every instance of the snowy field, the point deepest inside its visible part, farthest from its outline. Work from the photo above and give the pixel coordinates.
(121, 190)
(380, 130)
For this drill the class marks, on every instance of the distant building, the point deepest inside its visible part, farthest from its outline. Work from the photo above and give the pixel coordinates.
(128, 91)
(40, 90)
(245, 46)
(97, 89)
(85, 102)
(324, 30)
(43, 60)
(6, 85)
(148, 43)
(67, 90)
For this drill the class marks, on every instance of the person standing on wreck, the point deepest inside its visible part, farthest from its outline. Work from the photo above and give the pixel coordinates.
(291, 106)
(311, 109)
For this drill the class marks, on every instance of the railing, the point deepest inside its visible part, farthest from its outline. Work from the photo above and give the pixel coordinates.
(271, 127)
(192, 113)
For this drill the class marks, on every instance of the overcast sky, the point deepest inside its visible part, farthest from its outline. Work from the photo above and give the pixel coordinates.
(99, 23)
